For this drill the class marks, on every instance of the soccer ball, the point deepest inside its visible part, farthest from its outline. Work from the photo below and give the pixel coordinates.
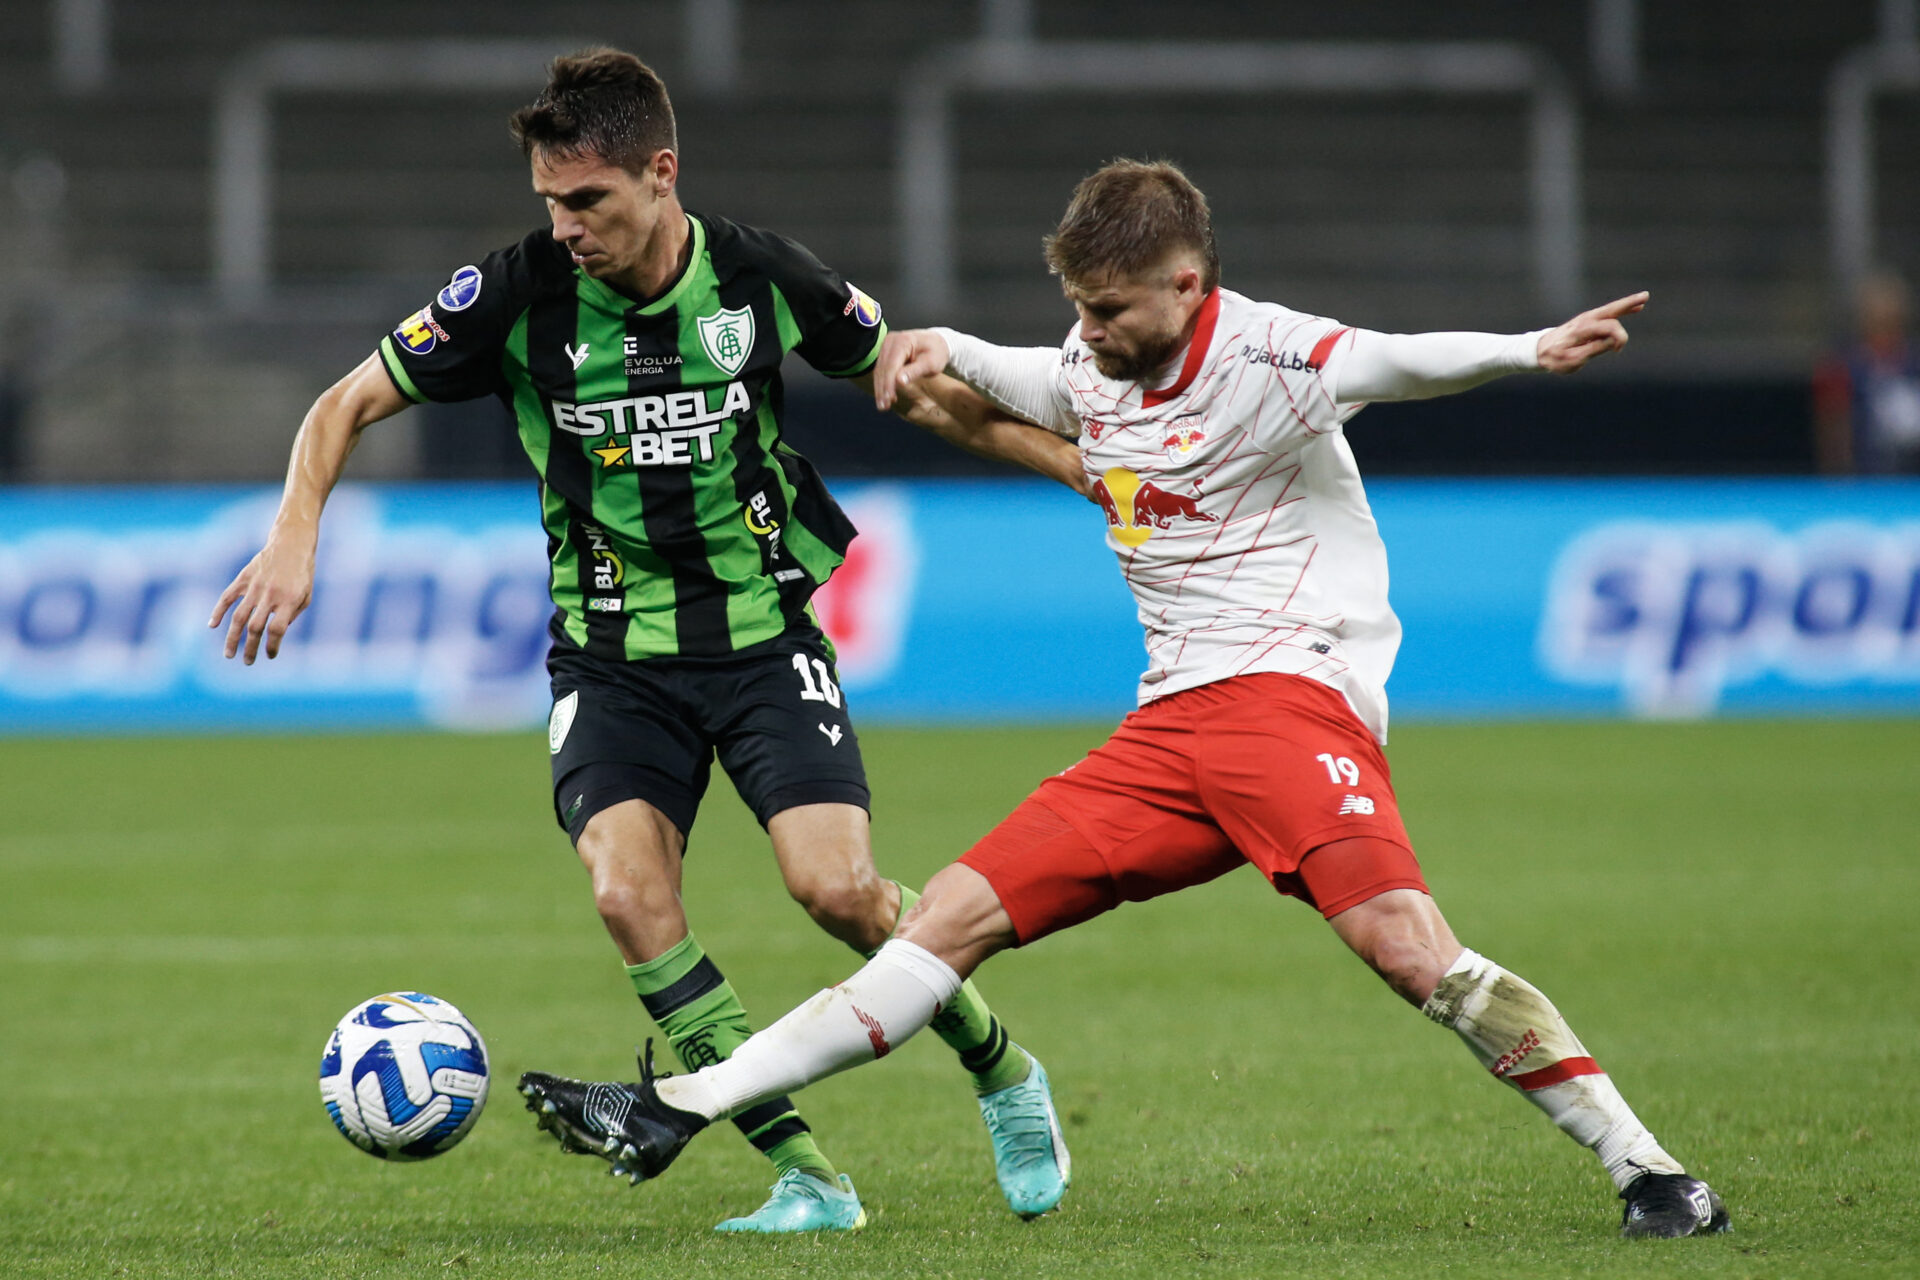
(404, 1076)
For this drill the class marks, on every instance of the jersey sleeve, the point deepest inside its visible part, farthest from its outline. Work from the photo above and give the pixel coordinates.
(1025, 381)
(1299, 352)
(450, 349)
(840, 328)
(1416, 366)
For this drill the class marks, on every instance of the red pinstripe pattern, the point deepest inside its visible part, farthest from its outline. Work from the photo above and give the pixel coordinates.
(1265, 569)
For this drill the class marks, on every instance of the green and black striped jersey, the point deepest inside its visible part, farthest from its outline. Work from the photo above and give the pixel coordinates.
(678, 521)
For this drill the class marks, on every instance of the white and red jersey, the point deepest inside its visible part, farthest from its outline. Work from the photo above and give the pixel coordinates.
(1236, 510)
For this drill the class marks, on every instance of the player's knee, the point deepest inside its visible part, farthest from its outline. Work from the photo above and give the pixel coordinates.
(625, 899)
(959, 918)
(851, 907)
(1403, 938)
(1409, 964)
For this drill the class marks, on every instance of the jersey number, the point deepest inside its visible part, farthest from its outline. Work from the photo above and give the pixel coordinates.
(1340, 769)
(825, 691)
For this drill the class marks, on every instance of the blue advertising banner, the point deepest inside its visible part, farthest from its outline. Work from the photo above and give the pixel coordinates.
(978, 600)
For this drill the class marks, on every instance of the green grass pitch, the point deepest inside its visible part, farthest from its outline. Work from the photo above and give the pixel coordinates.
(1726, 913)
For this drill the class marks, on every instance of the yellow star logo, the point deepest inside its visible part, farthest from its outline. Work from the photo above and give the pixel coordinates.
(612, 455)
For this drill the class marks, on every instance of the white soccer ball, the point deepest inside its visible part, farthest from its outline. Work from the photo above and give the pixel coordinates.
(404, 1076)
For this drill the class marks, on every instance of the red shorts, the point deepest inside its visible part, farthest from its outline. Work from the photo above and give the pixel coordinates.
(1261, 768)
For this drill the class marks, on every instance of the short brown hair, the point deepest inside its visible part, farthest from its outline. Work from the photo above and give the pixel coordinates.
(599, 102)
(1126, 218)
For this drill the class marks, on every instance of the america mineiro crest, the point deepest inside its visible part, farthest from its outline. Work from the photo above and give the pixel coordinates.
(727, 338)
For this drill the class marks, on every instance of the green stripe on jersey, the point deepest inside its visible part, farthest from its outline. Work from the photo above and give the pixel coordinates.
(677, 520)
(401, 377)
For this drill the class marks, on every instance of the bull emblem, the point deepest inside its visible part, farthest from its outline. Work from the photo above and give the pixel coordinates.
(1136, 507)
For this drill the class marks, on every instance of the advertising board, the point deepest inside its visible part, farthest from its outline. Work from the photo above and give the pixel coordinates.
(968, 600)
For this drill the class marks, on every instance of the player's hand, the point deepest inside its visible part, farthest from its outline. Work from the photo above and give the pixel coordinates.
(906, 355)
(265, 598)
(1589, 334)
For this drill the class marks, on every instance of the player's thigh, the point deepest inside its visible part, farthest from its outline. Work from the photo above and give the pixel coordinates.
(781, 726)
(826, 860)
(618, 732)
(1117, 827)
(1287, 770)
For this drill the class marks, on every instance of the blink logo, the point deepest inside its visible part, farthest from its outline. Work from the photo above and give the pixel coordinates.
(1674, 614)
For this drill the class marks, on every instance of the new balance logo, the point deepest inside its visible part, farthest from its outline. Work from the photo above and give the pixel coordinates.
(1356, 804)
(876, 1034)
(579, 357)
(833, 734)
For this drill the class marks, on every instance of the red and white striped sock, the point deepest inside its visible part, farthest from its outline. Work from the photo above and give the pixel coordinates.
(1517, 1034)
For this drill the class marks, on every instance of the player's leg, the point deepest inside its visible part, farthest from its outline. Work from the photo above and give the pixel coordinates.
(1515, 1032)
(632, 852)
(1037, 872)
(791, 750)
(1299, 784)
(826, 858)
(859, 1020)
(956, 925)
(628, 823)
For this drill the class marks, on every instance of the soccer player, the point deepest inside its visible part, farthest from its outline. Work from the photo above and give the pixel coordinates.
(1211, 428)
(639, 348)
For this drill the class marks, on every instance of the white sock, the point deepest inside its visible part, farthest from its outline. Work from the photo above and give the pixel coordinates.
(1517, 1034)
(865, 1017)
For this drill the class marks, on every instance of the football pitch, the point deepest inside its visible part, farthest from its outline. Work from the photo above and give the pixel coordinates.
(1724, 911)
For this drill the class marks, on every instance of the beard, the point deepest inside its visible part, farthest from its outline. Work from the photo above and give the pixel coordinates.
(1142, 365)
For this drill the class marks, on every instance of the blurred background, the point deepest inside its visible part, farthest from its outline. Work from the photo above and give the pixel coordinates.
(211, 211)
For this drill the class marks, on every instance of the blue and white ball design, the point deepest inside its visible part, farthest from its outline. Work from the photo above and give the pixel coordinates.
(404, 1076)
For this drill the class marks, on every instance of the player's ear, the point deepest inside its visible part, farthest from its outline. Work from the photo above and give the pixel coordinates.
(663, 171)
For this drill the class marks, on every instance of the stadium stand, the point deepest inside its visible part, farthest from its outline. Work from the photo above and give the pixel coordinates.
(1396, 213)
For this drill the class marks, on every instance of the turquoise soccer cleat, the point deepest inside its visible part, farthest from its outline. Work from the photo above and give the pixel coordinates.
(1030, 1157)
(802, 1202)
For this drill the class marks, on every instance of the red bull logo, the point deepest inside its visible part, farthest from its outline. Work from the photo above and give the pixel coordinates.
(1181, 442)
(1136, 507)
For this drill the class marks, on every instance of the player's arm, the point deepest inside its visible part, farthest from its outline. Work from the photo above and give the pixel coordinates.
(1415, 366)
(276, 584)
(962, 416)
(974, 380)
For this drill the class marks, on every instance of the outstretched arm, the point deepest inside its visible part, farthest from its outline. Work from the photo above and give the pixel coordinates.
(1415, 366)
(1021, 380)
(962, 416)
(277, 583)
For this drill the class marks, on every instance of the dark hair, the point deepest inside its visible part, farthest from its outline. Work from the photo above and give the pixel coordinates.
(599, 102)
(1126, 218)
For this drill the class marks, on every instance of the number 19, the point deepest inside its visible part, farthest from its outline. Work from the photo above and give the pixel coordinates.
(1340, 769)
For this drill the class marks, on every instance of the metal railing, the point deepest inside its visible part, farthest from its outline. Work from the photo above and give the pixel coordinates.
(926, 155)
(1857, 80)
(242, 222)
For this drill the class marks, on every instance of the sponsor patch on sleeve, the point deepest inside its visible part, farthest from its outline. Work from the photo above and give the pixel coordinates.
(861, 307)
(418, 333)
(461, 290)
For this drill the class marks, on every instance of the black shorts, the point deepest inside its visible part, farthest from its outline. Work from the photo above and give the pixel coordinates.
(649, 730)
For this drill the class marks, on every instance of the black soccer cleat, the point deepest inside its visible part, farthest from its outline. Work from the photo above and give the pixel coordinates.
(627, 1125)
(1671, 1205)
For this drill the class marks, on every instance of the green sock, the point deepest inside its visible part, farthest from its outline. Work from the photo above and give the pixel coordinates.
(970, 1030)
(698, 1012)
